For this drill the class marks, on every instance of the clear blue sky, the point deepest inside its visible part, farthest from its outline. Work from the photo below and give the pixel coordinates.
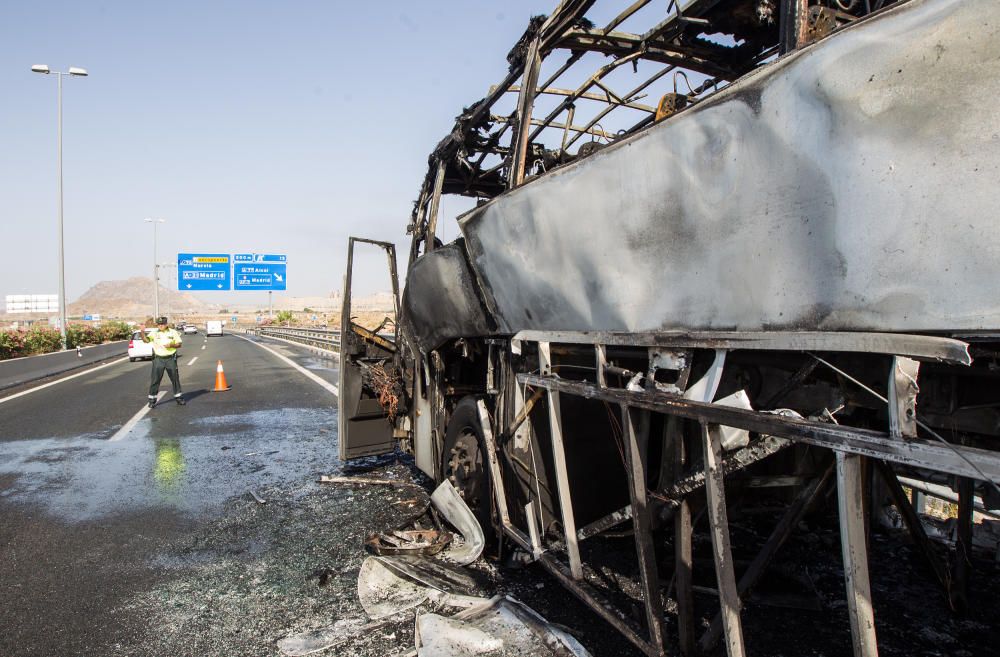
(281, 127)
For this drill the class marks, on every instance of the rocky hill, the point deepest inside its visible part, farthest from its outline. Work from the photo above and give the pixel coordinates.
(131, 298)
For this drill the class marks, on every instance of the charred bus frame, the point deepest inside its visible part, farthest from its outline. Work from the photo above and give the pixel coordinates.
(487, 408)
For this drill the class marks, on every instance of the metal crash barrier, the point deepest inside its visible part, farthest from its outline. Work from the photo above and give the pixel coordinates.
(328, 339)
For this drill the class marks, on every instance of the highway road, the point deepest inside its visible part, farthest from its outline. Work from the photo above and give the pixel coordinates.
(98, 495)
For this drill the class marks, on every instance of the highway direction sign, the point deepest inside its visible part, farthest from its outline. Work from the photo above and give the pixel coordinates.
(259, 271)
(203, 271)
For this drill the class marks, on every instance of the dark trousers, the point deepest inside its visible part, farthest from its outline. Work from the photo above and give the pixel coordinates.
(163, 364)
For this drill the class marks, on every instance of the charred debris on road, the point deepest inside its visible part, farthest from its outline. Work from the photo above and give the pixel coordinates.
(294, 577)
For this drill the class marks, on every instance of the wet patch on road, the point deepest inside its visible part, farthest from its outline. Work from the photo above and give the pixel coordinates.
(87, 477)
(303, 355)
(57, 455)
(318, 363)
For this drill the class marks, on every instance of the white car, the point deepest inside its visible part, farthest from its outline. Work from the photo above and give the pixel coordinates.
(190, 329)
(137, 348)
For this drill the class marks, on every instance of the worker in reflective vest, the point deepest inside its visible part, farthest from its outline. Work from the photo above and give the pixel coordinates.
(165, 342)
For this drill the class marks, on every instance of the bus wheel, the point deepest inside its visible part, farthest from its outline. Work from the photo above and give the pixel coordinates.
(463, 462)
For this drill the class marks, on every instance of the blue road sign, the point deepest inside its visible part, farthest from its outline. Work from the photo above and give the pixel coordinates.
(203, 271)
(259, 271)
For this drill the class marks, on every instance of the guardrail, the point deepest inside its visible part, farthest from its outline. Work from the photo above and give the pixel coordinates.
(323, 338)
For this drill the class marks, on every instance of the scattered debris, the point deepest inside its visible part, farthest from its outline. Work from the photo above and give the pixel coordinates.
(365, 481)
(248, 579)
(322, 575)
(501, 626)
(435, 574)
(365, 465)
(312, 641)
(390, 585)
(416, 541)
(454, 509)
(731, 437)
(258, 498)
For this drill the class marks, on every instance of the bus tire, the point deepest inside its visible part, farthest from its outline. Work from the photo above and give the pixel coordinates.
(463, 461)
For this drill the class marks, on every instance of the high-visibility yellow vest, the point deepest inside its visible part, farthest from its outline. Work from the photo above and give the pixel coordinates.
(162, 339)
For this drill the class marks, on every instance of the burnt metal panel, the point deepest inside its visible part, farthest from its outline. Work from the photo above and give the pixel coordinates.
(440, 301)
(851, 185)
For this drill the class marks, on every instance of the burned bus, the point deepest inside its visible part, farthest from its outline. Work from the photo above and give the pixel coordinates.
(716, 250)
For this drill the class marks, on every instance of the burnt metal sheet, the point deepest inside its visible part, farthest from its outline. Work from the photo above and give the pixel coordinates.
(440, 300)
(850, 186)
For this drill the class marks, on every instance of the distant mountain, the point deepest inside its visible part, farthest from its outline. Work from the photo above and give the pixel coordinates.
(132, 299)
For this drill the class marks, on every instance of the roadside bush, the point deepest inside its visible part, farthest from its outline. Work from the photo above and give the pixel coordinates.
(111, 331)
(285, 317)
(39, 340)
(42, 340)
(78, 335)
(11, 344)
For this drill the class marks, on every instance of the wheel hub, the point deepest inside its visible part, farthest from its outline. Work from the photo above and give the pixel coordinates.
(465, 469)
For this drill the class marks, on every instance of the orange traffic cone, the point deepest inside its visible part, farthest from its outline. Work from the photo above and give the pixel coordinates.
(220, 379)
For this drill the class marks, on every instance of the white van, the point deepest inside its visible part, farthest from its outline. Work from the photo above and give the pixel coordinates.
(213, 328)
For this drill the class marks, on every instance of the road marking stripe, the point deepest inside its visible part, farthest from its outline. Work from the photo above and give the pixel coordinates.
(326, 384)
(52, 383)
(191, 362)
(128, 426)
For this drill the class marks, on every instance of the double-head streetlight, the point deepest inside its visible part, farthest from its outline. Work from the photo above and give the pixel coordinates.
(156, 268)
(75, 72)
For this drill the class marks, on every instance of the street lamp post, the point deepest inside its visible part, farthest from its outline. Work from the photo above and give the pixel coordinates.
(168, 265)
(76, 72)
(156, 272)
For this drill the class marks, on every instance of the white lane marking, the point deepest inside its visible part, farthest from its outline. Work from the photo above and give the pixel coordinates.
(191, 362)
(52, 383)
(128, 426)
(202, 346)
(326, 384)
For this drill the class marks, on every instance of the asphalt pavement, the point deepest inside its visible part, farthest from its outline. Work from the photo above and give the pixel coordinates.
(94, 487)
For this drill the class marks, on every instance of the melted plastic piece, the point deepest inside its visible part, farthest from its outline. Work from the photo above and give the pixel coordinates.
(451, 505)
(502, 626)
(322, 638)
(389, 585)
